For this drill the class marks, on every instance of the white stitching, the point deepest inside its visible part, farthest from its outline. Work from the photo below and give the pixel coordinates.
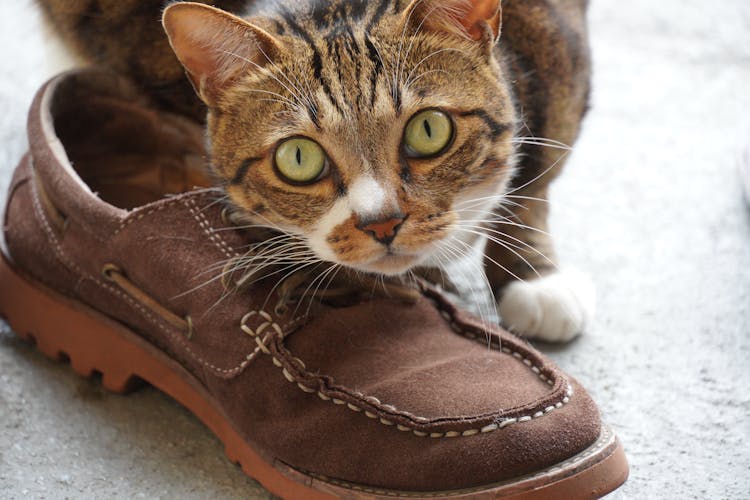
(178, 338)
(376, 402)
(261, 343)
(212, 234)
(136, 216)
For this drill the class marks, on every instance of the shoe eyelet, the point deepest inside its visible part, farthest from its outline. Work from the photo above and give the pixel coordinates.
(227, 277)
(189, 327)
(225, 218)
(110, 269)
(281, 309)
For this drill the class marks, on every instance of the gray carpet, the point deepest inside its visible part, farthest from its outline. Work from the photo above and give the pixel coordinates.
(650, 206)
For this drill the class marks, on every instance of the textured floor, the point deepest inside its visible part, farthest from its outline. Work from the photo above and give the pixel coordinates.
(650, 205)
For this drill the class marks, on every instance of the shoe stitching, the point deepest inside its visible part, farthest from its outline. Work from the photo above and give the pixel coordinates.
(175, 337)
(133, 217)
(262, 327)
(137, 214)
(375, 402)
(35, 199)
(212, 234)
(278, 330)
(457, 328)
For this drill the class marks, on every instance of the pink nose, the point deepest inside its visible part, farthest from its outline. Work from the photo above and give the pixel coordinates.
(383, 230)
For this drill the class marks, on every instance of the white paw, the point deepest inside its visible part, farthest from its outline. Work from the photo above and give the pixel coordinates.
(554, 308)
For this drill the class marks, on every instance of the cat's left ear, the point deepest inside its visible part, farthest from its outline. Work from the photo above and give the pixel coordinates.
(478, 20)
(216, 47)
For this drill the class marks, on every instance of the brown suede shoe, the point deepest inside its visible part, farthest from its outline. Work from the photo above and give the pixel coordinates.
(388, 393)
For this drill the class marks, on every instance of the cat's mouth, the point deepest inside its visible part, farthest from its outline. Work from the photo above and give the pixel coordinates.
(391, 264)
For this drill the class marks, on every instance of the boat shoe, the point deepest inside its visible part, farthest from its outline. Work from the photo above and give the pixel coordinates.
(118, 260)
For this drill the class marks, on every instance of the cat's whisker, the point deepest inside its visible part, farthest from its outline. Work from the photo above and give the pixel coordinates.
(489, 314)
(319, 279)
(511, 215)
(256, 250)
(261, 272)
(389, 78)
(411, 41)
(502, 244)
(282, 255)
(397, 68)
(294, 253)
(499, 203)
(497, 197)
(542, 141)
(552, 146)
(228, 291)
(247, 226)
(219, 276)
(521, 245)
(486, 314)
(287, 275)
(545, 172)
(276, 97)
(488, 217)
(505, 222)
(300, 95)
(426, 58)
(335, 273)
(278, 247)
(530, 198)
(254, 267)
(278, 101)
(502, 200)
(499, 265)
(251, 268)
(220, 199)
(438, 258)
(475, 201)
(409, 83)
(267, 72)
(276, 270)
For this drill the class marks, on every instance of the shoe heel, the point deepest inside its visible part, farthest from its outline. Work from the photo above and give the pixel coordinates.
(61, 333)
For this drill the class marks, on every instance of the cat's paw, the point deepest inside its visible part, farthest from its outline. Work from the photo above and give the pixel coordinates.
(555, 308)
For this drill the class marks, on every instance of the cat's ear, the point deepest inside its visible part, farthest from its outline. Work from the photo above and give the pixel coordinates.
(215, 47)
(478, 20)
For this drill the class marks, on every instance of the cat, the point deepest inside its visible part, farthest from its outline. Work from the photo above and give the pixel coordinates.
(388, 135)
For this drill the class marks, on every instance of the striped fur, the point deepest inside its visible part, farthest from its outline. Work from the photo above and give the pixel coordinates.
(350, 75)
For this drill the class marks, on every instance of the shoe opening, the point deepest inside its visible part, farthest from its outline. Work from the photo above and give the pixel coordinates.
(123, 148)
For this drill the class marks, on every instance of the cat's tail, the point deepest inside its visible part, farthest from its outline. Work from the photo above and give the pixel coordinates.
(127, 37)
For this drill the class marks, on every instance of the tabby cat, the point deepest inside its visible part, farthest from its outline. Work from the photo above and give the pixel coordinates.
(388, 135)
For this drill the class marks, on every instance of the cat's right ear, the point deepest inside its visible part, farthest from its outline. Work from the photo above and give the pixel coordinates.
(215, 47)
(478, 20)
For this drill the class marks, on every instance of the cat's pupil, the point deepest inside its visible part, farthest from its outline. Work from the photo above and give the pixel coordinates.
(427, 128)
(299, 156)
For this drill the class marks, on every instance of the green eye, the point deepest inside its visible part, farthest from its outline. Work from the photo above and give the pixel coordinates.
(300, 160)
(428, 133)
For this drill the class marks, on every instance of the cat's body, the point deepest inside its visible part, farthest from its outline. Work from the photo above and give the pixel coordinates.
(355, 72)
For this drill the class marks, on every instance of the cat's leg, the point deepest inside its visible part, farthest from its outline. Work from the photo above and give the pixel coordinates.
(536, 298)
(552, 85)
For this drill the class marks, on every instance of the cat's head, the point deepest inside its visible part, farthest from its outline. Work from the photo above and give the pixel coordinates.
(378, 134)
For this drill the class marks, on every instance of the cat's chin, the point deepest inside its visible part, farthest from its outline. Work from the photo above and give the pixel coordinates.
(389, 265)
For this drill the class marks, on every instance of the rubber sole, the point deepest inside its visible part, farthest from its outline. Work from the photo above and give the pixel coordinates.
(64, 329)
